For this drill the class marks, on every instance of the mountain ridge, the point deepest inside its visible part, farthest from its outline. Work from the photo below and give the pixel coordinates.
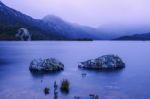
(42, 29)
(52, 27)
(11, 20)
(144, 37)
(71, 30)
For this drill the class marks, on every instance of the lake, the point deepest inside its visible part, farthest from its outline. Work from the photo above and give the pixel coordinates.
(132, 82)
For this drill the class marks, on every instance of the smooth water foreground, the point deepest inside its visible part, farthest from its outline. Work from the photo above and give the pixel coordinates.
(133, 82)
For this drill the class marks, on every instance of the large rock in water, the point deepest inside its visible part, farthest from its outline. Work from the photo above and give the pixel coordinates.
(46, 65)
(105, 62)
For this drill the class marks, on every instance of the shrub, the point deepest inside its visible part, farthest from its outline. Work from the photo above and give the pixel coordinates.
(65, 86)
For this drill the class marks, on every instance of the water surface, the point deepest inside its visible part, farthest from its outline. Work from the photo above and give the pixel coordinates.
(16, 81)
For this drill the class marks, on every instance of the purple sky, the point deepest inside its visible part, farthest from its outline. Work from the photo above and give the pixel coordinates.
(94, 13)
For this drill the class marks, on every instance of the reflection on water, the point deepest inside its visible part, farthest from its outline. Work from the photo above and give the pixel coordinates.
(42, 74)
(17, 82)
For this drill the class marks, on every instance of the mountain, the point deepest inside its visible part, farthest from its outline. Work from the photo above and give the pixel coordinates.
(74, 31)
(54, 28)
(145, 36)
(11, 20)
(49, 28)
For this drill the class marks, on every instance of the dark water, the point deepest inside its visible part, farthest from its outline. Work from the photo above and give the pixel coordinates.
(133, 82)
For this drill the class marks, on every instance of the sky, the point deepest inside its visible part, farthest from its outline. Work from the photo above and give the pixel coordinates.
(95, 13)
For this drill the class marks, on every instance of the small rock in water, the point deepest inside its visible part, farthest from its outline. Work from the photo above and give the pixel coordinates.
(46, 65)
(46, 91)
(76, 97)
(105, 62)
(84, 74)
(93, 96)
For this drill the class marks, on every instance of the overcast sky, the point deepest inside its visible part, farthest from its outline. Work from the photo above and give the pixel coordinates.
(88, 12)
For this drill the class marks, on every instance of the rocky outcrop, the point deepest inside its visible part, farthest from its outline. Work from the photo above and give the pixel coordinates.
(105, 62)
(46, 65)
(23, 34)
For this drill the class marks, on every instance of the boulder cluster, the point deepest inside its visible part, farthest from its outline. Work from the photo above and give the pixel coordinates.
(46, 65)
(103, 62)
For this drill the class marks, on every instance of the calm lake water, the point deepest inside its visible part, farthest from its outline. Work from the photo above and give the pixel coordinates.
(133, 82)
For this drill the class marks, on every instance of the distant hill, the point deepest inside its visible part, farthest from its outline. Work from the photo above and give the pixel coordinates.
(73, 31)
(49, 28)
(145, 36)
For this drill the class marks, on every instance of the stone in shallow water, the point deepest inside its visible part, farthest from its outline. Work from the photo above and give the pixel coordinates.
(46, 65)
(104, 62)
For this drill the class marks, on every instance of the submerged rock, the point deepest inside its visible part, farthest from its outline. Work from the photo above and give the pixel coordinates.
(46, 65)
(103, 62)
